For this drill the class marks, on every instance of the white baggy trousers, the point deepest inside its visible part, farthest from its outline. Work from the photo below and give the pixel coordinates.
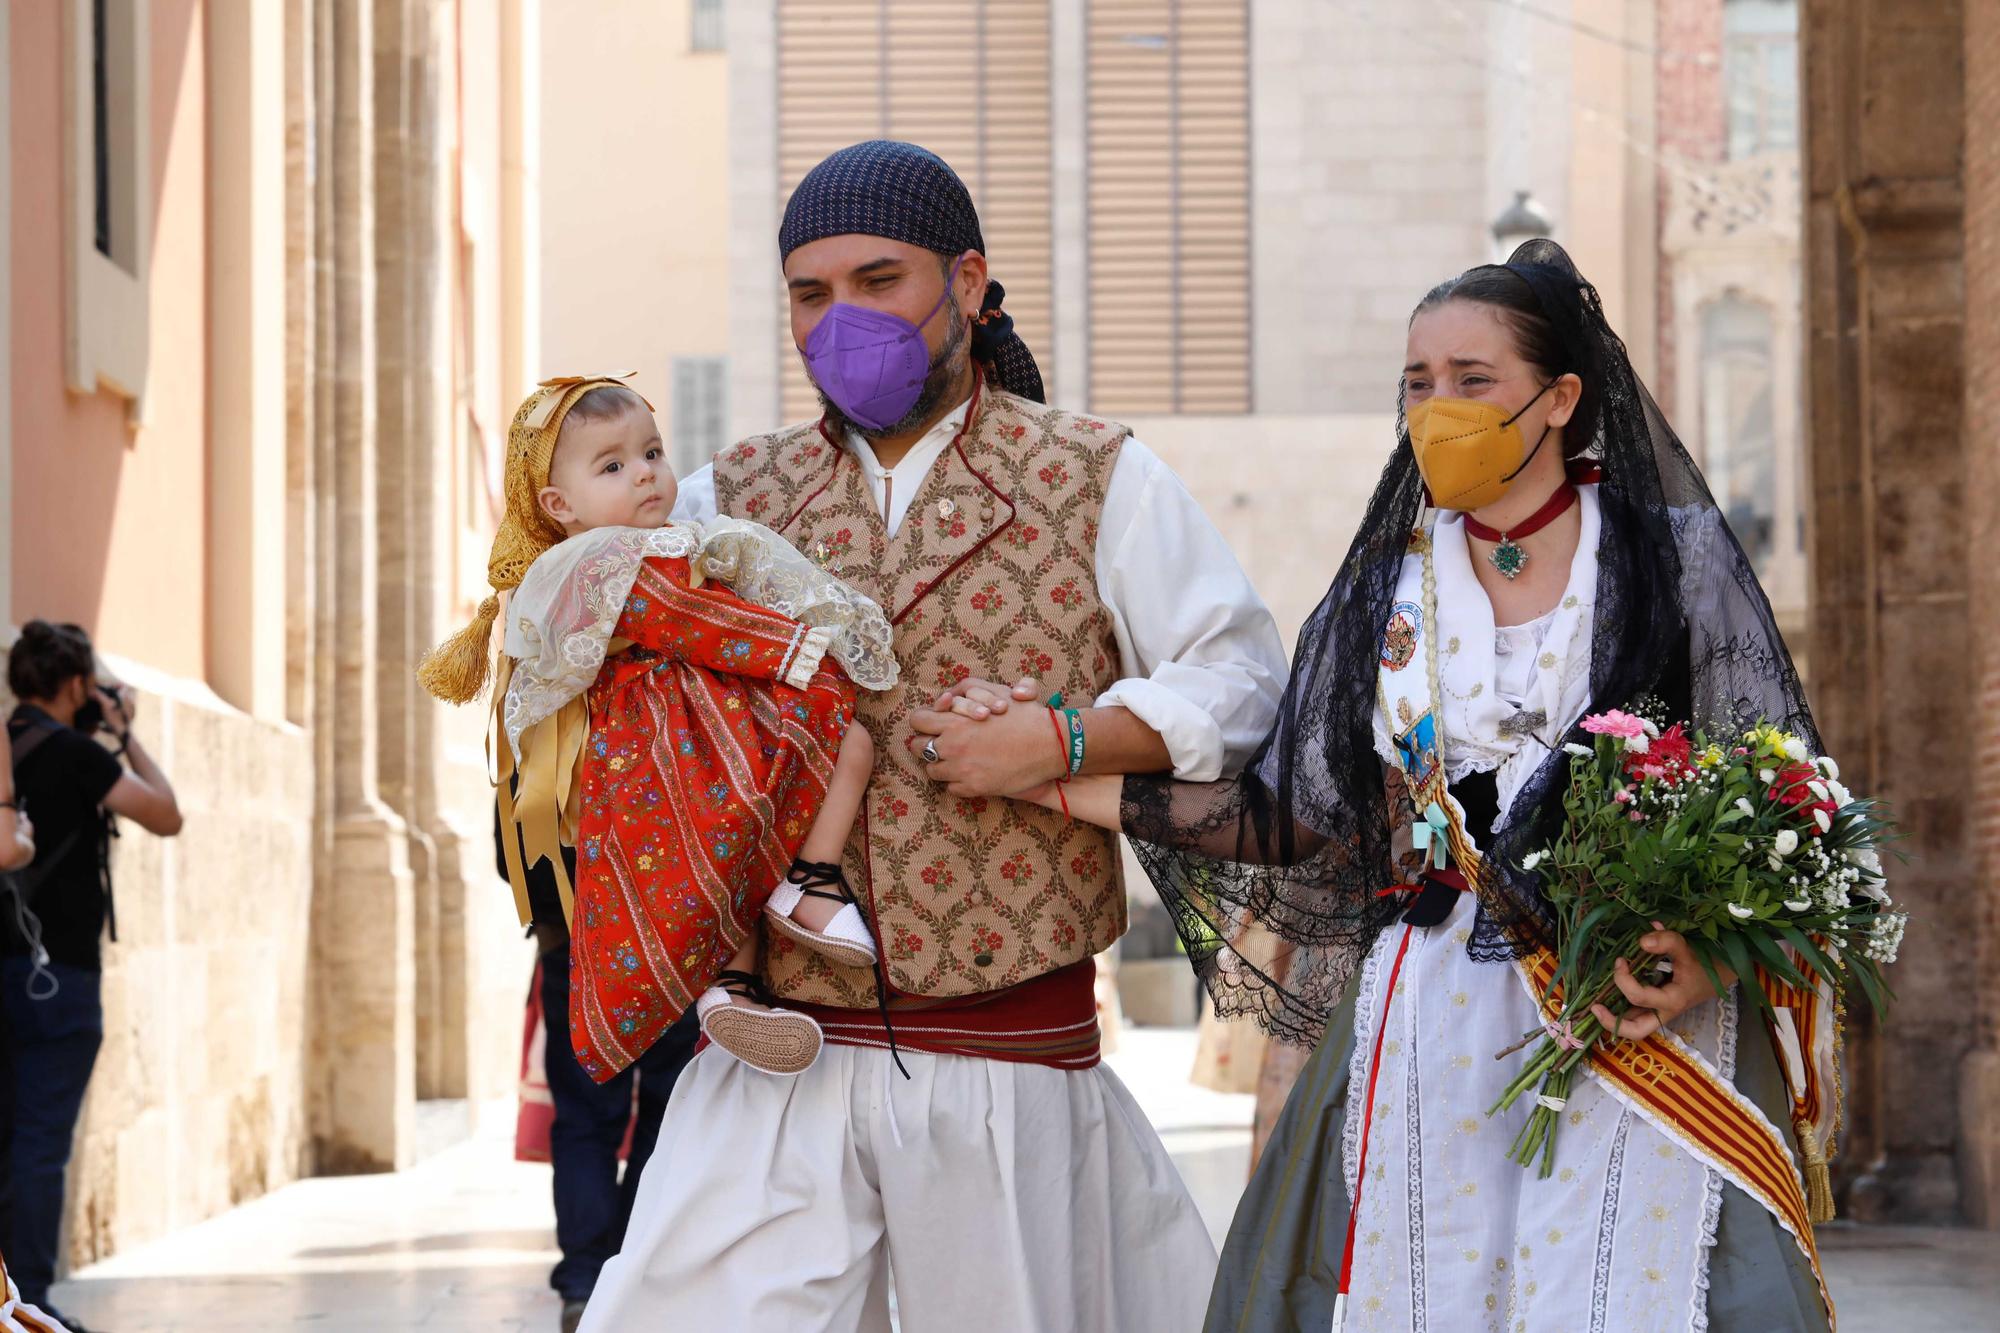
(1010, 1198)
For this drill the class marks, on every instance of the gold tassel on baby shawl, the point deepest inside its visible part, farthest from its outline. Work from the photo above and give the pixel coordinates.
(455, 671)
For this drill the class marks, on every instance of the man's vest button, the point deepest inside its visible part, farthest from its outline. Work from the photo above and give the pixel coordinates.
(982, 960)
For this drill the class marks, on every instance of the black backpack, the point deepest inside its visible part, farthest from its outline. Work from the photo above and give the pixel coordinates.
(26, 883)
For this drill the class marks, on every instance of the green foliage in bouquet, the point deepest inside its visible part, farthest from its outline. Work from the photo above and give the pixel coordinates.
(1748, 846)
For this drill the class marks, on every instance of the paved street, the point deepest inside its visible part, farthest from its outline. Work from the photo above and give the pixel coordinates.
(462, 1242)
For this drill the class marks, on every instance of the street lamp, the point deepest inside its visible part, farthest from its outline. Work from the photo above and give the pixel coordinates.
(1522, 220)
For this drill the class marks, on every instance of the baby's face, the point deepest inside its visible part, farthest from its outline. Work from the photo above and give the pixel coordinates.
(610, 473)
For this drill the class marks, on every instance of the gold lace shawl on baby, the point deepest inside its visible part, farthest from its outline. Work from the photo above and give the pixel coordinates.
(561, 626)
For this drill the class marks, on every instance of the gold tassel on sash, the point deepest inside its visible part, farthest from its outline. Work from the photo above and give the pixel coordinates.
(1818, 1175)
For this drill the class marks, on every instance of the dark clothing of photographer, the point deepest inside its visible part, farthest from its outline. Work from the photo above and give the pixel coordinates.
(61, 776)
(53, 913)
(593, 1203)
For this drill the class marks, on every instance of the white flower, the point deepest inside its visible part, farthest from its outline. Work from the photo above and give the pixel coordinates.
(1637, 744)
(1828, 767)
(1741, 913)
(1795, 750)
(1652, 728)
(1824, 820)
(1531, 860)
(1776, 861)
(1767, 776)
(1866, 859)
(1886, 938)
(1786, 842)
(1580, 751)
(1743, 804)
(1875, 891)
(1798, 904)
(1818, 788)
(1840, 795)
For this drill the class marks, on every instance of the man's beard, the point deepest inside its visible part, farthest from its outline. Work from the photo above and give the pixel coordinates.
(946, 367)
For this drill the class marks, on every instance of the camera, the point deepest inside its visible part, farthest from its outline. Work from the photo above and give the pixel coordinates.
(91, 718)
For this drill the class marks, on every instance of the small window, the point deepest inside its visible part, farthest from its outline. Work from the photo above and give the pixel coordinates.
(106, 199)
(707, 27)
(1738, 427)
(1760, 76)
(700, 411)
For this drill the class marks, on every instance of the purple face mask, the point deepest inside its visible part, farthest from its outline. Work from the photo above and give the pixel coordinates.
(871, 363)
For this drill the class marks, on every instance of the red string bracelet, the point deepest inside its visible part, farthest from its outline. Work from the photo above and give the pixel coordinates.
(1062, 743)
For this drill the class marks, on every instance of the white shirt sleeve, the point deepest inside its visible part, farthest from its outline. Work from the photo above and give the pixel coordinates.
(1203, 662)
(697, 498)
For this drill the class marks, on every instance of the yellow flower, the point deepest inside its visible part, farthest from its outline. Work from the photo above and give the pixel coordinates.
(1710, 758)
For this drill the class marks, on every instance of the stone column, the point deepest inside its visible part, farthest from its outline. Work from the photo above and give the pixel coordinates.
(409, 314)
(301, 359)
(1979, 1083)
(1893, 647)
(362, 910)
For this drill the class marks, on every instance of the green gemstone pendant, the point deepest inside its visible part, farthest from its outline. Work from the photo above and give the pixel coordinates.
(1509, 559)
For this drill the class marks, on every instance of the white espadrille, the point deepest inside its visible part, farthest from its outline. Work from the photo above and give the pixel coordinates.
(846, 939)
(777, 1041)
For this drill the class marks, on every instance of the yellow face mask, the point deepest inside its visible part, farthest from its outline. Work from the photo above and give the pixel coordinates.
(1468, 451)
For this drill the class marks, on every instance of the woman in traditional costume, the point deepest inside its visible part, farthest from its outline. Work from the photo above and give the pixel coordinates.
(1539, 547)
(676, 704)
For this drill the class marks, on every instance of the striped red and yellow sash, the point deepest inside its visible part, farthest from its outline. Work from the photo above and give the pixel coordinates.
(1685, 1098)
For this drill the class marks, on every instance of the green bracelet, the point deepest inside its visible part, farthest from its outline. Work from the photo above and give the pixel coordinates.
(1055, 700)
(1075, 717)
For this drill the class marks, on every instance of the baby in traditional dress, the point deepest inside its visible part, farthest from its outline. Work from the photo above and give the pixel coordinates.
(677, 704)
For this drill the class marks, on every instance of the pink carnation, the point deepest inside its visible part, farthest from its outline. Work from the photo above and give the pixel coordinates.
(1615, 723)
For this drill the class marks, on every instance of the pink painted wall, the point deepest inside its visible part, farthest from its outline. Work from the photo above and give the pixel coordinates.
(107, 523)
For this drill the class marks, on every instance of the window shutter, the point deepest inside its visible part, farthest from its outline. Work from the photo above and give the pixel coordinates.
(1169, 198)
(700, 411)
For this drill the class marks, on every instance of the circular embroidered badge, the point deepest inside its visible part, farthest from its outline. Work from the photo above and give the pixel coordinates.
(1399, 637)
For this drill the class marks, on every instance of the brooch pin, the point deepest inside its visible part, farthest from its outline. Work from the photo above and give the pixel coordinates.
(946, 508)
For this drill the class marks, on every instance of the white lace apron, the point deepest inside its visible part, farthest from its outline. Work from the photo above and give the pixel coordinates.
(1451, 1235)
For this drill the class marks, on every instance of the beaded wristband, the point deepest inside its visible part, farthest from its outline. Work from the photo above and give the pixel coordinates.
(1063, 743)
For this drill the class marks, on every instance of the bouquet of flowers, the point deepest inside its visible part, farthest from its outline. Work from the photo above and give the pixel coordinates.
(1749, 846)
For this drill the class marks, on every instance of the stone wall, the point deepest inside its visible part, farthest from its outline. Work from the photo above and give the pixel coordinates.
(1897, 555)
(1692, 128)
(1979, 1088)
(1369, 167)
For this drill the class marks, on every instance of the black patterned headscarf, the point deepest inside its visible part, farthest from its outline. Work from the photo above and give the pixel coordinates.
(909, 194)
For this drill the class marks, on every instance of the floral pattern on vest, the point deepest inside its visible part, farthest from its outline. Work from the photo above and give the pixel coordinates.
(992, 574)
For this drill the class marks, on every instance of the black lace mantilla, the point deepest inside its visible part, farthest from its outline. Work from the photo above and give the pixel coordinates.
(1274, 878)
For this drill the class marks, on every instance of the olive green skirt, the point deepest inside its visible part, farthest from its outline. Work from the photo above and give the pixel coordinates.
(1281, 1262)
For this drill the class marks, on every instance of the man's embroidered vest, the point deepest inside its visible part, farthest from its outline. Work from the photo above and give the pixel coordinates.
(992, 574)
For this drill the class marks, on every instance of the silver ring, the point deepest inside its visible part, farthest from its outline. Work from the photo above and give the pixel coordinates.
(929, 753)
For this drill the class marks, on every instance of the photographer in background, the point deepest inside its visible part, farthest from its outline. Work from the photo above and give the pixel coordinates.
(52, 914)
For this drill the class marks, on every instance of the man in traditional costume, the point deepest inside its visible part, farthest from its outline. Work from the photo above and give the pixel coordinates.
(958, 1121)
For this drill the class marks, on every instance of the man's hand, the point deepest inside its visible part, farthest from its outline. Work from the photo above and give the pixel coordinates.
(980, 699)
(996, 754)
(1653, 1007)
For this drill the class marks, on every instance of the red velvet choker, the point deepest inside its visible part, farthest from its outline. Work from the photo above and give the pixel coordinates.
(1508, 557)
